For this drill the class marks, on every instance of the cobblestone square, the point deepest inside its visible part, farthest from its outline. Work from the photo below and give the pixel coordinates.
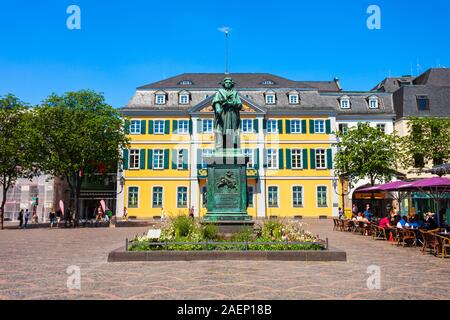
(34, 263)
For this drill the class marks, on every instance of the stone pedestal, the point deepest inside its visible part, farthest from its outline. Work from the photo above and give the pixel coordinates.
(227, 188)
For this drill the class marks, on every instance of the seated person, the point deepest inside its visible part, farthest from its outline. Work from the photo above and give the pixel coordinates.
(412, 222)
(401, 223)
(364, 219)
(359, 217)
(385, 223)
(430, 223)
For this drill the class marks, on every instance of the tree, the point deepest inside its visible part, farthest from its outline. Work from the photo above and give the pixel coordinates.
(78, 132)
(16, 145)
(428, 140)
(366, 152)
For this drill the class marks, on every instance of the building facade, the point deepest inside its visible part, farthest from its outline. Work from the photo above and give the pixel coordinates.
(287, 132)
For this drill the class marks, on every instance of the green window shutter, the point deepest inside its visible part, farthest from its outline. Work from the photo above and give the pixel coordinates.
(150, 127)
(174, 159)
(328, 126)
(280, 126)
(280, 159)
(311, 126)
(303, 126)
(288, 126)
(166, 159)
(199, 126)
(199, 158)
(255, 126)
(142, 158)
(185, 159)
(190, 126)
(256, 154)
(125, 159)
(312, 161)
(329, 159)
(265, 158)
(167, 127)
(126, 127)
(264, 124)
(149, 159)
(288, 159)
(175, 126)
(305, 159)
(143, 129)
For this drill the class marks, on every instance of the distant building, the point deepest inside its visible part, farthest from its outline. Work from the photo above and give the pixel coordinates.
(287, 131)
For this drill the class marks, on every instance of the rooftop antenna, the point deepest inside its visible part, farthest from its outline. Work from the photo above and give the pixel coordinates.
(226, 30)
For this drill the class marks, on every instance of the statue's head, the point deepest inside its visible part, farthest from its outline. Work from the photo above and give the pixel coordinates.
(227, 83)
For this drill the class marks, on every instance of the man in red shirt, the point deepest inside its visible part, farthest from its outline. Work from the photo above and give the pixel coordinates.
(385, 223)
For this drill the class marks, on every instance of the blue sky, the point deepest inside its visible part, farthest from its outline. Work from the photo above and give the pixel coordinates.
(125, 44)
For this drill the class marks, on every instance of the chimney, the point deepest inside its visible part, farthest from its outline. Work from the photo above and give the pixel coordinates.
(336, 80)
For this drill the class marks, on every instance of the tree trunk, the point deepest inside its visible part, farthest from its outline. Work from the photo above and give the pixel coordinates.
(2, 207)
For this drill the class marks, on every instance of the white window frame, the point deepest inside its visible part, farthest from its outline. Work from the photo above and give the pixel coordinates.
(374, 100)
(247, 125)
(128, 197)
(278, 197)
(187, 197)
(344, 125)
(298, 152)
(344, 101)
(294, 97)
(161, 155)
(181, 97)
(203, 125)
(132, 164)
(317, 127)
(180, 157)
(162, 196)
(293, 126)
(135, 127)
(302, 196)
(205, 152)
(326, 196)
(273, 96)
(379, 125)
(269, 127)
(250, 153)
(158, 97)
(156, 126)
(182, 129)
(324, 159)
(274, 154)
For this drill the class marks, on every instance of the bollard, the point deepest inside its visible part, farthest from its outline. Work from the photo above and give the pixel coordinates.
(126, 244)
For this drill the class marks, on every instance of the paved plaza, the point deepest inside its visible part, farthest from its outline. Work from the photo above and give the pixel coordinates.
(34, 263)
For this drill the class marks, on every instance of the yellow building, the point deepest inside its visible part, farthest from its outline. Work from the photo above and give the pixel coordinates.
(286, 132)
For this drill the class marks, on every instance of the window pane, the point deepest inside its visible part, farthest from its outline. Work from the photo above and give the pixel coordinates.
(297, 197)
(135, 127)
(273, 197)
(133, 197)
(182, 197)
(296, 159)
(158, 159)
(157, 197)
(183, 126)
(322, 196)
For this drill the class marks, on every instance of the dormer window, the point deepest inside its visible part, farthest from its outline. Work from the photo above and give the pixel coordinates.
(183, 97)
(344, 102)
(185, 82)
(293, 98)
(373, 102)
(267, 82)
(160, 98)
(270, 98)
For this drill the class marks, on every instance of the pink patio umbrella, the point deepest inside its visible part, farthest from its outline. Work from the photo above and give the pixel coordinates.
(391, 186)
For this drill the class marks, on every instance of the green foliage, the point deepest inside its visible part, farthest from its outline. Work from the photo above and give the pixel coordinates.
(17, 147)
(366, 152)
(78, 131)
(428, 140)
(184, 229)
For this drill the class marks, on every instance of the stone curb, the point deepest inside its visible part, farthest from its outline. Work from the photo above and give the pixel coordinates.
(333, 254)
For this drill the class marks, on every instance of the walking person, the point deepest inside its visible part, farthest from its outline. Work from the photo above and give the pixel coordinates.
(26, 217)
(191, 212)
(51, 217)
(58, 217)
(68, 218)
(20, 218)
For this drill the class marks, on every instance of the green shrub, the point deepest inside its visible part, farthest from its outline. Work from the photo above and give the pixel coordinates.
(210, 231)
(183, 226)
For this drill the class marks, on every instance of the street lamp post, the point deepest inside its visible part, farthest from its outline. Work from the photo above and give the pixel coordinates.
(344, 192)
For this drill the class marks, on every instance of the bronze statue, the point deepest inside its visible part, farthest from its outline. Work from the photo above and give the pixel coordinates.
(227, 122)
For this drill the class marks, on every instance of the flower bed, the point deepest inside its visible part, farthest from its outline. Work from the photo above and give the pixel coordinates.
(186, 234)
